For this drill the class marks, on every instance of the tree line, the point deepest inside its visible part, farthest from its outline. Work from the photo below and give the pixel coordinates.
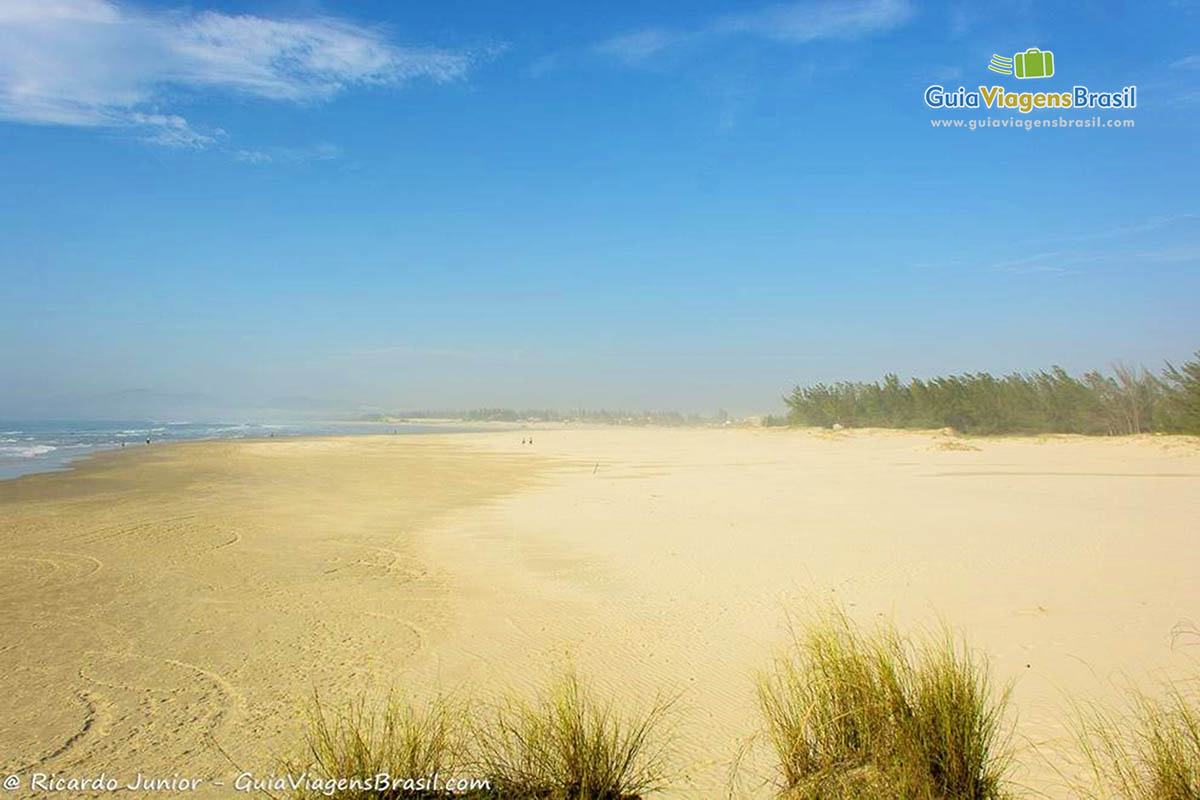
(1129, 400)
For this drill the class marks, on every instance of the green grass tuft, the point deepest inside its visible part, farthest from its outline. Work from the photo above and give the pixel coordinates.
(872, 715)
(568, 745)
(1148, 750)
(398, 738)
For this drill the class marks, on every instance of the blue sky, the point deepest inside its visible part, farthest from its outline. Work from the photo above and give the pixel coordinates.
(637, 205)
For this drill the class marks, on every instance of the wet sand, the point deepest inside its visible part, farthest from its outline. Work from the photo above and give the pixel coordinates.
(162, 599)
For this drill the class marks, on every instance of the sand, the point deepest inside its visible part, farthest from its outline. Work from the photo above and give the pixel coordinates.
(159, 602)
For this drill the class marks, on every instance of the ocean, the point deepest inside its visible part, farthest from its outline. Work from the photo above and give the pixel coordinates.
(45, 446)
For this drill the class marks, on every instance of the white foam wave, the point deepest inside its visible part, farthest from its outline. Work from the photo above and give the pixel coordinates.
(27, 451)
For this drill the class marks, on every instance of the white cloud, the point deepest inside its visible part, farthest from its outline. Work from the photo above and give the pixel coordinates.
(172, 130)
(795, 23)
(639, 45)
(97, 63)
(289, 155)
(1035, 264)
(810, 21)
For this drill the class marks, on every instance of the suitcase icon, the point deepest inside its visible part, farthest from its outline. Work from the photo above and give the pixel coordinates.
(1033, 63)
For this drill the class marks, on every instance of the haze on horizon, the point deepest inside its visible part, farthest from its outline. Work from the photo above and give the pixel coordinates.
(235, 206)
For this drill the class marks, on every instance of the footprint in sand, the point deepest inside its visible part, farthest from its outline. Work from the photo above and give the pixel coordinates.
(378, 562)
(202, 699)
(64, 729)
(26, 571)
(415, 637)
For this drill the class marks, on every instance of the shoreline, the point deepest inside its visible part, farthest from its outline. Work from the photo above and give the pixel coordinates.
(50, 441)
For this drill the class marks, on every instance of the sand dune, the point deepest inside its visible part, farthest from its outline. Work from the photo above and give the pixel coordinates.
(161, 599)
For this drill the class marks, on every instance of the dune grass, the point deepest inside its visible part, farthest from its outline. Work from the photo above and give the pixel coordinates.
(395, 737)
(849, 714)
(569, 745)
(864, 715)
(566, 745)
(1147, 750)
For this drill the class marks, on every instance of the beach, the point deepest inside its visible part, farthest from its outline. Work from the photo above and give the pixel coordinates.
(173, 609)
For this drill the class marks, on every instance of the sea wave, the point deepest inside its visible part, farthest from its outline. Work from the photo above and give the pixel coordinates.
(27, 451)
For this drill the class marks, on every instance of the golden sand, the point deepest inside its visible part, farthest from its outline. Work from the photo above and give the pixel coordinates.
(160, 600)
